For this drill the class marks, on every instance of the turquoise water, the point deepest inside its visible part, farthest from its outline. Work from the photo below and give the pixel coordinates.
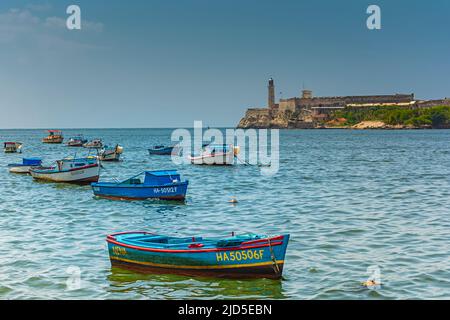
(349, 199)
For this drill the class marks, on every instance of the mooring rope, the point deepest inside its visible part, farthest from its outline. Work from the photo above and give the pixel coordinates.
(249, 164)
(107, 171)
(274, 260)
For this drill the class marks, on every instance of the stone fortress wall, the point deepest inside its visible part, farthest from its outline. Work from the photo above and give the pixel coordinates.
(307, 101)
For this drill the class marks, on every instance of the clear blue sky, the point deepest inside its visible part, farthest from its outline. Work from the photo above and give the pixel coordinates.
(162, 63)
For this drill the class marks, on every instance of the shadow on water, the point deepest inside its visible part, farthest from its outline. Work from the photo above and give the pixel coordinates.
(145, 203)
(63, 185)
(123, 281)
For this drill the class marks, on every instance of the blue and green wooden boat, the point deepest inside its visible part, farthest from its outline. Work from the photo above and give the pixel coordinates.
(158, 184)
(241, 256)
(164, 150)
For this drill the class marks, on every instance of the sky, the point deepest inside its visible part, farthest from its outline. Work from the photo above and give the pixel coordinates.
(163, 63)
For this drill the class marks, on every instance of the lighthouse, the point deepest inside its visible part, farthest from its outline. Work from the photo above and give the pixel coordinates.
(271, 94)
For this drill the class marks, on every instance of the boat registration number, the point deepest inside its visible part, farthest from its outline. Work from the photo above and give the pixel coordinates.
(118, 251)
(165, 190)
(240, 255)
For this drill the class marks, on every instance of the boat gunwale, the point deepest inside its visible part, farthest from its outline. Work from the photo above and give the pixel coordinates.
(141, 185)
(279, 240)
(63, 171)
(209, 156)
(21, 165)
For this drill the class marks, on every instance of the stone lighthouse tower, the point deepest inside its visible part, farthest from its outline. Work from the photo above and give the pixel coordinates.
(271, 97)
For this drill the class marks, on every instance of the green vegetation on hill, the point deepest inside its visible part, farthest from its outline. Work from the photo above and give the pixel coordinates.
(435, 117)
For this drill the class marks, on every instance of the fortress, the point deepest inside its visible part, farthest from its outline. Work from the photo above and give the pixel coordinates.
(307, 111)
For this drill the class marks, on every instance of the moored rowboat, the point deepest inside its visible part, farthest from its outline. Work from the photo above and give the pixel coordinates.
(94, 144)
(12, 147)
(243, 256)
(69, 170)
(215, 154)
(110, 154)
(158, 184)
(26, 165)
(163, 150)
(76, 141)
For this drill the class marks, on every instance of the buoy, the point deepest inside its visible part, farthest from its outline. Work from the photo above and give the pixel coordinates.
(233, 200)
(370, 283)
(236, 150)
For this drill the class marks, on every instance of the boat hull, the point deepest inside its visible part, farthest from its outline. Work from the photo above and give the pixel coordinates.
(59, 140)
(83, 175)
(252, 260)
(261, 271)
(75, 144)
(217, 159)
(164, 151)
(20, 169)
(114, 156)
(140, 192)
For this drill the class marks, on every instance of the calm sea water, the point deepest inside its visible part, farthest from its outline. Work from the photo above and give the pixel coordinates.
(349, 199)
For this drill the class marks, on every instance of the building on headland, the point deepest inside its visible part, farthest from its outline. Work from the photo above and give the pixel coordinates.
(306, 110)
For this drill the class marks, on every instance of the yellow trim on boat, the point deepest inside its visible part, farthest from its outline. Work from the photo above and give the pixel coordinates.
(259, 264)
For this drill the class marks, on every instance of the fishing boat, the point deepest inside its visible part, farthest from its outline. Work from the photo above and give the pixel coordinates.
(110, 154)
(12, 147)
(164, 150)
(70, 170)
(241, 256)
(76, 141)
(94, 144)
(159, 184)
(215, 154)
(54, 136)
(26, 165)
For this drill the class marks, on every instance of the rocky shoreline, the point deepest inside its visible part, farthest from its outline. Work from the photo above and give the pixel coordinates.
(262, 119)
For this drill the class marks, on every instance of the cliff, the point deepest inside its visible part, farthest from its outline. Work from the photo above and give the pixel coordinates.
(266, 118)
(419, 116)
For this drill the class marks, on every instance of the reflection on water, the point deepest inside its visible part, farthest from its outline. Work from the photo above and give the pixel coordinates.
(177, 287)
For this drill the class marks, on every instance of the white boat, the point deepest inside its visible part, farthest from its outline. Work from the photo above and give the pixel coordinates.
(26, 165)
(110, 154)
(94, 144)
(12, 147)
(70, 170)
(215, 154)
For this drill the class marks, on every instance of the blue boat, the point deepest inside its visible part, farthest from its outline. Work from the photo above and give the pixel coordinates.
(160, 184)
(163, 150)
(242, 256)
(25, 166)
